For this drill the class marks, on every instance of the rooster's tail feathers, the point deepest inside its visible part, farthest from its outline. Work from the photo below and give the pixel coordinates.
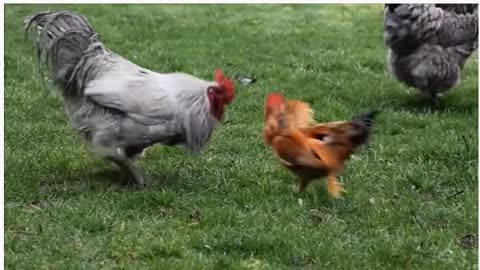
(63, 41)
(362, 125)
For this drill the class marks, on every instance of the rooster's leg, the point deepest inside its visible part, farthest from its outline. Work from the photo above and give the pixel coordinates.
(303, 185)
(135, 152)
(334, 188)
(434, 102)
(133, 171)
(107, 148)
(118, 156)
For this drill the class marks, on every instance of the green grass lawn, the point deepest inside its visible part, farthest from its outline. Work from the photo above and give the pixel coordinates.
(234, 206)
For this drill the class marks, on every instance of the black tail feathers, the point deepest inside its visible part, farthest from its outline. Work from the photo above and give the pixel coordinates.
(362, 125)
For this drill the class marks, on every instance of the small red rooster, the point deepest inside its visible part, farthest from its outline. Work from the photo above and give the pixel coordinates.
(310, 150)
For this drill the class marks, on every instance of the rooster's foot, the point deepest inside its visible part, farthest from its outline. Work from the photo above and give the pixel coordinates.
(335, 189)
(303, 185)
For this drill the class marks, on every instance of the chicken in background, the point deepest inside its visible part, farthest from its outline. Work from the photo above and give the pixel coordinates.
(116, 106)
(310, 150)
(428, 44)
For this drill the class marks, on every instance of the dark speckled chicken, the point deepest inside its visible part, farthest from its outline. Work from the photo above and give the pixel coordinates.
(428, 44)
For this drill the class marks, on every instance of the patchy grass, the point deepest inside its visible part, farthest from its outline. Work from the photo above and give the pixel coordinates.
(234, 206)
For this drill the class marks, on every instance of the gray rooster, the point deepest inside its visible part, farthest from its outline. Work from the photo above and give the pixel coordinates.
(428, 44)
(116, 106)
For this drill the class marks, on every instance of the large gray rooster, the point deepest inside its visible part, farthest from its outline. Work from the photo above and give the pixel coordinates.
(428, 44)
(117, 106)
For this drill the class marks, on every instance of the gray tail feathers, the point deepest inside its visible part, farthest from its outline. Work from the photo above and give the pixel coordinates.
(63, 40)
(362, 126)
(462, 52)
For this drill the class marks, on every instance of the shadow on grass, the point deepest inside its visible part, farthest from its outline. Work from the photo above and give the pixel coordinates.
(174, 181)
(114, 179)
(317, 196)
(83, 181)
(420, 104)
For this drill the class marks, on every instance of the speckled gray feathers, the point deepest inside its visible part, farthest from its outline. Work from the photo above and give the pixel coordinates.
(117, 106)
(428, 44)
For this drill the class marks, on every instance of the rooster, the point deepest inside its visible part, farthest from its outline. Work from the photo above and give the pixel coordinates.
(120, 108)
(429, 44)
(311, 150)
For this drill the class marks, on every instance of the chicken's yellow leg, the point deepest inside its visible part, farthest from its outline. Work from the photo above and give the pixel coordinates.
(334, 188)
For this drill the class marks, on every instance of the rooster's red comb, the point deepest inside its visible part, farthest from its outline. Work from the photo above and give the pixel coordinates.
(226, 84)
(274, 99)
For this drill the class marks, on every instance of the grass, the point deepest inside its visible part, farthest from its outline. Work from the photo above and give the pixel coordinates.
(234, 206)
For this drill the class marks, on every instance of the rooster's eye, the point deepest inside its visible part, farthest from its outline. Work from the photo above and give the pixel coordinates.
(320, 137)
